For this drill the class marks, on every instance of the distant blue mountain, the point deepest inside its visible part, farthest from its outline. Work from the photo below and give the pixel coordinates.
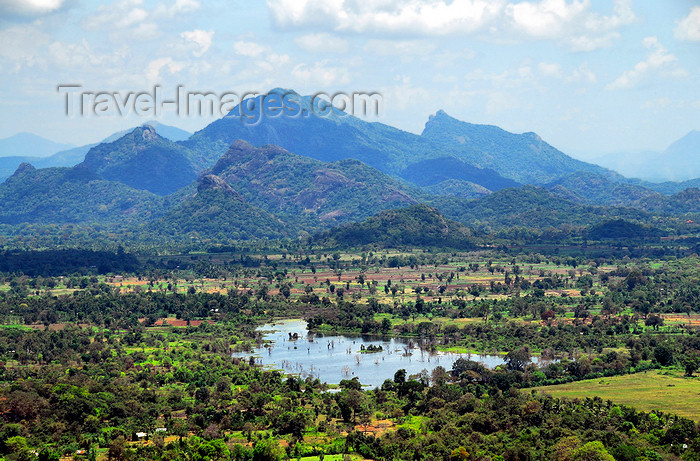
(71, 157)
(678, 163)
(66, 158)
(524, 158)
(332, 137)
(433, 171)
(337, 168)
(144, 160)
(28, 144)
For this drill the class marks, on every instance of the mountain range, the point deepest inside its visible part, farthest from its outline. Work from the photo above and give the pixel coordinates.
(490, 151)
(679, 162)
(217, 212)
(299, 175)
(306, 190)
(64, 155)
(71, 195)
(525, 158)
(143, 160)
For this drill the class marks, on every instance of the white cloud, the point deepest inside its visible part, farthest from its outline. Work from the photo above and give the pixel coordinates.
(145, 31)
(73, 54)
(321, 74)
(81, 56)
(405, 95)
(201, 38)
(30, 7)
(261, 63)
(249, 48)
(570, 114)
(179, 7)
(582, 73)
(20, 45)
(154, 68)
(141, 21)
(591, 43)
(574, 23)
(322, 43)
(659, 61)
(547, 18)
(599, 31)
(571, 21)
(391, 16)
(121, 14)
(688, 29)
(549, 69)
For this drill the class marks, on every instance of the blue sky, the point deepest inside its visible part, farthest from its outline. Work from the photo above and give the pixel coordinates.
(588, 76)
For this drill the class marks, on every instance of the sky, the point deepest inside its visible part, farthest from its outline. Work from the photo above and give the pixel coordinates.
(590, 77)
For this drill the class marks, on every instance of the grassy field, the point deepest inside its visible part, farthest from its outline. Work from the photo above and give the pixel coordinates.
(666, 390)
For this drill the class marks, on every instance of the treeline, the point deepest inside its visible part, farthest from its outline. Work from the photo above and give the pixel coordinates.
(102, 305)
(52, 263)
(567, 351)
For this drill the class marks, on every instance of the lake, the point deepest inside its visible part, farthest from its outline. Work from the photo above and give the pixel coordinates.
(332, 358)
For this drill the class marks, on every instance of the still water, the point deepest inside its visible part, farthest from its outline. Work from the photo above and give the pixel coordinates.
(337, 357)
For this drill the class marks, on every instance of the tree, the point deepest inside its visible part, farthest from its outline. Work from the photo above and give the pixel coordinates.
(47, 454)
(202, 394)
(386, 326)
(475, 290)
(518, 359)
(654, 321)
(351, 403)
(592, 451)
(663, 354)
(439, 376)
(214, 449)
(691, 363)
(16, 444)
(117, 449)
(268, 450)
(470, 370)
(248, 431)
(564, 449)
(285, 291)
(400, 376)
(353, 383)
(293, 422)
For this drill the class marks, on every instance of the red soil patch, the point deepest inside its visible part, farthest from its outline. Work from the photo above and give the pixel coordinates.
(179, 323)
(683, 319)
(376, 427)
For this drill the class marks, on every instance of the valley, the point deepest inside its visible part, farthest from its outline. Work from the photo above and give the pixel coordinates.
(191, 341)
(328, 288)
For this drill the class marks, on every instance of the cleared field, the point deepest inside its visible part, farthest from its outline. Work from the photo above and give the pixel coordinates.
(666, 390)
(353, 457)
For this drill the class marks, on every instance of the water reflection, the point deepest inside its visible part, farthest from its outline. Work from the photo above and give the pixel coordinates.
(332, 358)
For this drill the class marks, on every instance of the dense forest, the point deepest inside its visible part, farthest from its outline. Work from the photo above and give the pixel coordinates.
(109, 356)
